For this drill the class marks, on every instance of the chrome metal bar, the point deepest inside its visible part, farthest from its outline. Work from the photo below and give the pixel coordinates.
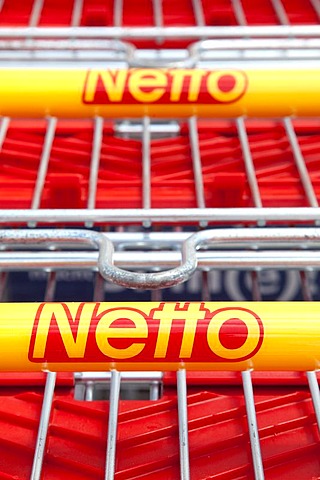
(3, 285)
(89, 388)
(196, 161)
(315, 395)
(254, 44)
(156, 296)
(239, 12)
(198, 32)
(3, 130)
(205, 289)
(300, 163)
(146, 164)
(256, 292)
(183, 425)
(157, 13)
(249, 165)
(95, 161)
(171, 128)
(280, 12)
(154, 391)
(316, 6)
(76, 13)
(305, 286)
(50, 287)
(129, 377)
(43, 426)
(139, 259)
(117, 13)
(168, 215)
(36, 12)
(232, 237)
(253, 426)
(44, 162)
(112, 425)
(98, 293)
(198, 13)
(158, 16)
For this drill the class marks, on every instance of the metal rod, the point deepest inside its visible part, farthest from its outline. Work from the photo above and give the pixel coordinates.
(239, 12)
(89, 391)
(146, 164)
(3, 285)
(51, 287)
(164, 259)
(112, 425)
(316, 6)
(280, 12)
(43, 426)
(117, 13)
(249, 165)
(198, 32)
(95, 161)
(166, 215)
(205, 287)
(300, 163)
(154, 391)
(253, 426)
(156, 296)
(315, 395)
(129, 377)
(98, 293)
(172, 128)
(76, 13)
(256, 293)
(196, 162)
(157, 13)
(183, 425)
(198, 13)
(3, 130)
(44, 161)
(305, 286)
(158, 16)
(36, 12)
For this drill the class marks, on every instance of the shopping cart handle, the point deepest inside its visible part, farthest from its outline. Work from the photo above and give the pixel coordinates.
(244, 237)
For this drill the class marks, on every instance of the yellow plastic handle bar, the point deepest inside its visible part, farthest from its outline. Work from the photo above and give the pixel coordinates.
(159, 336)
(154, 92)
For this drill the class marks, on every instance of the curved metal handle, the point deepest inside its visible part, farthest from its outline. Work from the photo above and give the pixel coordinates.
(106, 267)
(168, 278)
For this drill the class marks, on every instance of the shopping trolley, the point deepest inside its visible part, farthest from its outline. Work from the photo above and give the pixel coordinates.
(146, 193)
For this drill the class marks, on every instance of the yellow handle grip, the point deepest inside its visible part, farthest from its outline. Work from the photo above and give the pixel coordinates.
(159, 336)
(154, 92)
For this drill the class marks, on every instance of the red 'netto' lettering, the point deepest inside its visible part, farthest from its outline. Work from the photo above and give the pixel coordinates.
(163, 86)
(166, 332)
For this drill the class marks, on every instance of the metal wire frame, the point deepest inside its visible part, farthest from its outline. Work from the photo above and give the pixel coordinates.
(266, 53)
(197, 6)
(152, 33)
(147, 215)
(300, 238)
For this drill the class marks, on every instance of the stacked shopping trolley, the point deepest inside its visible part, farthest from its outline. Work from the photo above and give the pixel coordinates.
(158, 151)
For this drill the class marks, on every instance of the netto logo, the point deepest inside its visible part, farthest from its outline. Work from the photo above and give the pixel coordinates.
(171, 332)
(163, 86)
